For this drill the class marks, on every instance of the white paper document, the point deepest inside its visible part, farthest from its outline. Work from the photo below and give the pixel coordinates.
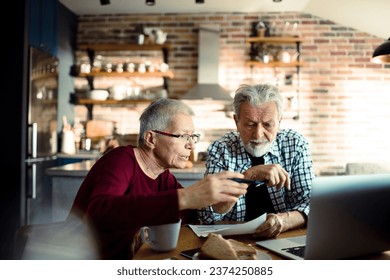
(229, 229)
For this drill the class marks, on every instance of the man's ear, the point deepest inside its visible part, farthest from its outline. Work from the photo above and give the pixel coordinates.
(150, 139)
(235, 118)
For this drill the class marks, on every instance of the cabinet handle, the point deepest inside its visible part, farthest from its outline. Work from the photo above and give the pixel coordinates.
(33, 149)
(34, 181)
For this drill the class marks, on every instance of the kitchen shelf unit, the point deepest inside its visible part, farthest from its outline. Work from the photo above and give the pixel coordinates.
(274, 43)
(93, 49)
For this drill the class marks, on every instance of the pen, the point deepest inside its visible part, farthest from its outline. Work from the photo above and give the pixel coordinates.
(246, 181)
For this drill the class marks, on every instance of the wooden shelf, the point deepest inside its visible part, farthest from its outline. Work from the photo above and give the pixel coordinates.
(273, 64)
(166, 74)
(85, 101)
(122, 47)
(275, 40)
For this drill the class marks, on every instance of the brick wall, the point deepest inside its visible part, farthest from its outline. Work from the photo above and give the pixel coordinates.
(344, 99)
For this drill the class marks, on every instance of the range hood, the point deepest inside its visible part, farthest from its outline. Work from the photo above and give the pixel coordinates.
(208, 63)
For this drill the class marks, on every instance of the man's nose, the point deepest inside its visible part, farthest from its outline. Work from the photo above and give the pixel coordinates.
(190, 144)
(258, 132)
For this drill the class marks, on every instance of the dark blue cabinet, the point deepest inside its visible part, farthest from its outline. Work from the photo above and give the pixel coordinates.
(43, 25)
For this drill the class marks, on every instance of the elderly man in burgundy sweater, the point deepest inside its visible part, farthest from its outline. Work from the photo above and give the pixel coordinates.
(130, 187)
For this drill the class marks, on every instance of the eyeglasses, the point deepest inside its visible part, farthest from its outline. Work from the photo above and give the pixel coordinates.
(186, 137)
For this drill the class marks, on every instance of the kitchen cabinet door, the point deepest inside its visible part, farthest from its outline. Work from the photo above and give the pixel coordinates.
(43, 25)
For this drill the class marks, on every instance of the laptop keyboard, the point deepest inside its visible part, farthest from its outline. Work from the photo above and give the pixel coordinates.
(297, 251)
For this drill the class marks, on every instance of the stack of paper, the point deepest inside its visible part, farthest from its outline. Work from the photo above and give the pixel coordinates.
(229, 229)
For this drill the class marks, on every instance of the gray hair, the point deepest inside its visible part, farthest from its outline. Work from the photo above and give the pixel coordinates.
(158, 115)
(257, 95)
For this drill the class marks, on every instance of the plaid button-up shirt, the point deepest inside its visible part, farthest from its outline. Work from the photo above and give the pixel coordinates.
(290, 149)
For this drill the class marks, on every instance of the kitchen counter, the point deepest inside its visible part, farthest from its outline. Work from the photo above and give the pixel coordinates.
(77, 157)
(81, 155)
(66, 180)
(80, 169)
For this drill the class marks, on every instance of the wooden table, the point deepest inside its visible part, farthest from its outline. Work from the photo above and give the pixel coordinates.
(189, 240)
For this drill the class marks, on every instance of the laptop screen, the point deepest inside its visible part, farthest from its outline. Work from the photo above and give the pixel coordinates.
(349, 216)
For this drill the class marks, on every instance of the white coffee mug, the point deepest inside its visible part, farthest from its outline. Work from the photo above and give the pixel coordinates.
(162, 238)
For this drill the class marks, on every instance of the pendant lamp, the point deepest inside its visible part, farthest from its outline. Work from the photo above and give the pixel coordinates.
(150, 2)
(382, 53)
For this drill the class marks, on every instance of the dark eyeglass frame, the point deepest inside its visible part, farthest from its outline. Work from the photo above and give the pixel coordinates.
(194, 137)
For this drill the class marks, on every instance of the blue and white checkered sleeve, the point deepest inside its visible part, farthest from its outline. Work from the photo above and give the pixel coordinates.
(302, 179)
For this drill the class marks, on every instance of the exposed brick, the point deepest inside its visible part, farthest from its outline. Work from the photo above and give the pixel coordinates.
(339, 84)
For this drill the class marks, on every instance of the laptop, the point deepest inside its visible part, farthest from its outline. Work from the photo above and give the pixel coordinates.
(349, 218)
